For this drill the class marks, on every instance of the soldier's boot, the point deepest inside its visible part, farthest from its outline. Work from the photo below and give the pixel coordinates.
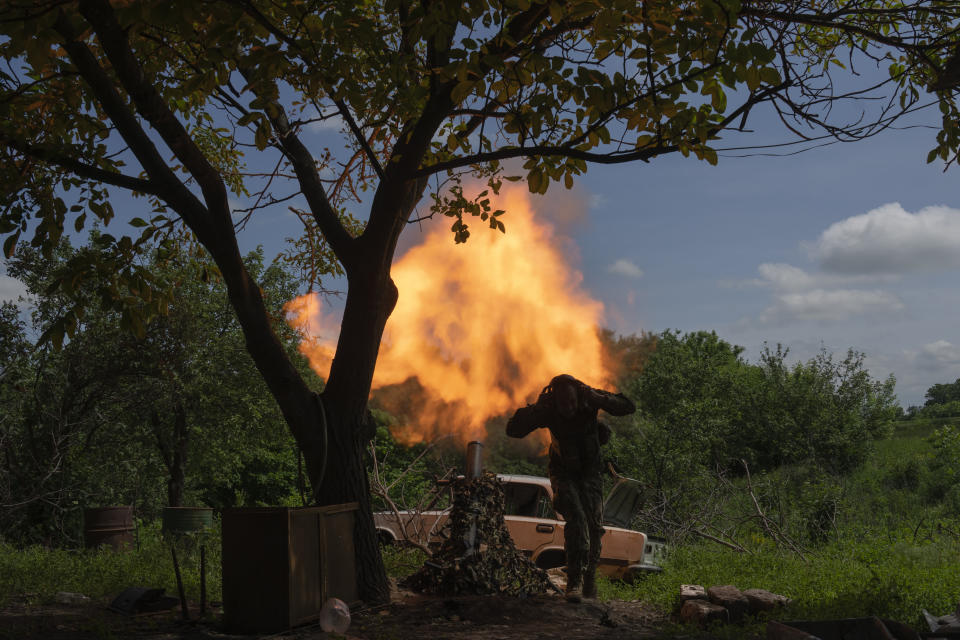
(590, 583)
(574, 592)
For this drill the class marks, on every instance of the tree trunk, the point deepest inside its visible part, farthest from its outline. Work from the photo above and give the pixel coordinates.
(345, 480)
(335, 459)
(336, 468)
(350, 425)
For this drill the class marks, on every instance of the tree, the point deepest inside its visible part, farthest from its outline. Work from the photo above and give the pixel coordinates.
(111, 417)
(942, 393)
(424, 90)
(706, 417)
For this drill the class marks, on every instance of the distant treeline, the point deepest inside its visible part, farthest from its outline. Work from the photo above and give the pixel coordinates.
(942, 401)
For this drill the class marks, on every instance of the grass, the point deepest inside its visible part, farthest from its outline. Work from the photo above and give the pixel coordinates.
(889, 558)
(889, 576)
(38, 573)
(878, 564)
(892, 577)
(841, 580)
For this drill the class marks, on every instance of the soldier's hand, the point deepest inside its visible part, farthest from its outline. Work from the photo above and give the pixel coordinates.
(591, 397)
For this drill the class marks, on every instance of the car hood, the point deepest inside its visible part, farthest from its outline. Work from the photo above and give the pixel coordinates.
(622, 503)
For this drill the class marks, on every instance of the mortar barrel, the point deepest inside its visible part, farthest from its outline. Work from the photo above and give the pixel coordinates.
(474, 460)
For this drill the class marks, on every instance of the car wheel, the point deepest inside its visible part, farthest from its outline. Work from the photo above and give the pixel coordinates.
(551, 559)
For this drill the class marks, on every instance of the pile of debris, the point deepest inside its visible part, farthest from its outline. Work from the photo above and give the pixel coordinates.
(724, 603)
(478, 556)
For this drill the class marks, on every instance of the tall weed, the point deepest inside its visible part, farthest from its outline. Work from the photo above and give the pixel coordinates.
(38, 573)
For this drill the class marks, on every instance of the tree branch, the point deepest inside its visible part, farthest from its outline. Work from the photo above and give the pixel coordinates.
(304, 166)
(151, 105)
(830, 21)
(415, 139)
(82, 169)
(168, 186)
(644, 154)
(361, 139)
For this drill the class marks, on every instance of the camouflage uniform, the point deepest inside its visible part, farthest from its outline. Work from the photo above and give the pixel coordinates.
(575, 466)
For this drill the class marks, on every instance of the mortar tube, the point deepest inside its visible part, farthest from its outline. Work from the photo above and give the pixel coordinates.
(474, 460)
(474, 469)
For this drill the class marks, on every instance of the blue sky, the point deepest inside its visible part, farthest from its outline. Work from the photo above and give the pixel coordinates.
(846, 246)
(808, 250)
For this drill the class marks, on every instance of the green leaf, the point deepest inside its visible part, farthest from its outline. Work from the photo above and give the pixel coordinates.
(534, 180)
(461, 91)
(136, 222)
(718, 100)
(770, 75)
(247, 119)
(10, 244)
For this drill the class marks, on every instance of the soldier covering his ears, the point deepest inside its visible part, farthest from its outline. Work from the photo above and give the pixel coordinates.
(568, 408)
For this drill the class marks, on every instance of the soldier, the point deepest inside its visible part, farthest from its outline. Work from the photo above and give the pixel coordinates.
(568, 408)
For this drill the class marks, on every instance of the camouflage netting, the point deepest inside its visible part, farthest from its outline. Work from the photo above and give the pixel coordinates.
(493, 565)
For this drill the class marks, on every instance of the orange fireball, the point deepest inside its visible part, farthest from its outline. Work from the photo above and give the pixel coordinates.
(482, 326)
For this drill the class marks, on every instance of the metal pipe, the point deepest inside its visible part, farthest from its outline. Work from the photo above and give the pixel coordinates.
(474, 469)
(474, 460)
(203, 579)
(176, 571)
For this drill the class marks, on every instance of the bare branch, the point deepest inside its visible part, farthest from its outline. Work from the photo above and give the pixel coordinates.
(361, 139)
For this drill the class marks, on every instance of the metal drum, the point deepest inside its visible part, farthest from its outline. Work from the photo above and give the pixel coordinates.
(110, 526)
(179, 520)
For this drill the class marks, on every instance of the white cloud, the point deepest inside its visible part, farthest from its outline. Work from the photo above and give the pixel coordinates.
(333, 123)
(889, 239)
(825, 297)
(827, 305)
(598, 201)
(626, 268)
(786, 277)
(856, 254)
(937, 356)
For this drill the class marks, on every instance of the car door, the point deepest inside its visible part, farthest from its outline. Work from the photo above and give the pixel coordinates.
(530, 518)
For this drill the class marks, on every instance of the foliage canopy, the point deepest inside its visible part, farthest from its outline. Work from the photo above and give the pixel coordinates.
(111, 418)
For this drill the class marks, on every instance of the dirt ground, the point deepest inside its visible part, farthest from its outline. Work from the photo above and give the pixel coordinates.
(408, 617)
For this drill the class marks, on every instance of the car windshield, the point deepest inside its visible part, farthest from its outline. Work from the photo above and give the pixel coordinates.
(530, 500)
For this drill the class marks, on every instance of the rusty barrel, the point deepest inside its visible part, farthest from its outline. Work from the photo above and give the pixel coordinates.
(179, 520)
(110, 526)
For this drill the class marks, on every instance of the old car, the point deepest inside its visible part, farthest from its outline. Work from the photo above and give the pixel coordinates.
(537, 529)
